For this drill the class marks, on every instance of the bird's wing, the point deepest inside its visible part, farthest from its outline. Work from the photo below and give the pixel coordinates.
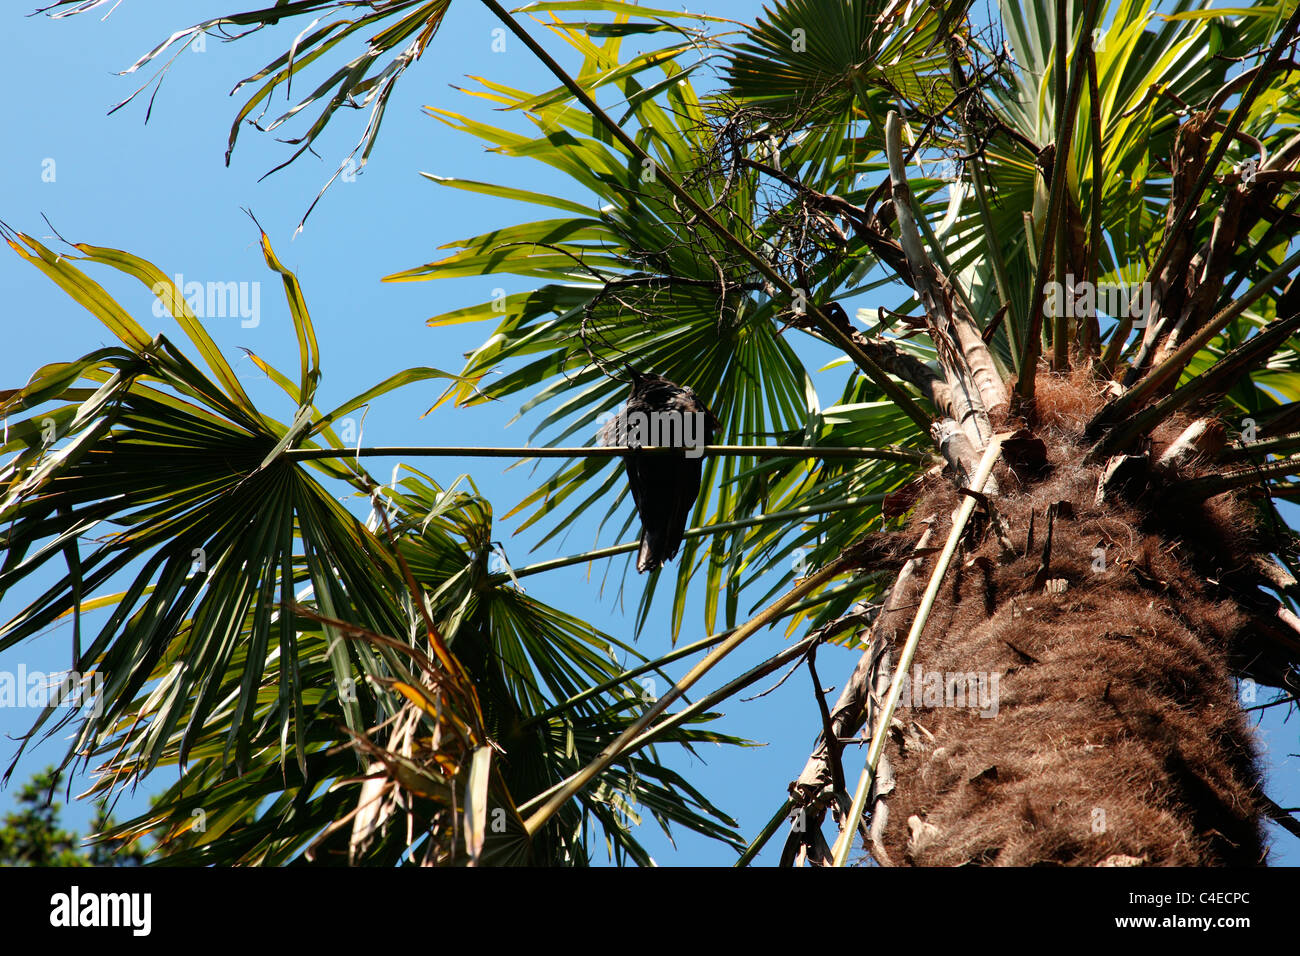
(697, 405)
(686, 482)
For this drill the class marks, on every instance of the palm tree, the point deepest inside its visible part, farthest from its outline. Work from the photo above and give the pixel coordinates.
(1014, 496)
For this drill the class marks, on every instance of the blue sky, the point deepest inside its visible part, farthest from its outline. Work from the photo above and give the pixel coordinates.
(162, 191)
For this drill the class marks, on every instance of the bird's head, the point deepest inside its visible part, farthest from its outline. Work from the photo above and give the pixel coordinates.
(641, 381)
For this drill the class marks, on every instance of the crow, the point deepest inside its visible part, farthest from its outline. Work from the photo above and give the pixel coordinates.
(664, 487)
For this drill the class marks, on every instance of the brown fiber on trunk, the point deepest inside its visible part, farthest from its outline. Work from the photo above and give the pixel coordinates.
(1113, 731)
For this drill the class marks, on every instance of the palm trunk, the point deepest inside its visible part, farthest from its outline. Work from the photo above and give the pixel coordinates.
(1072, 700)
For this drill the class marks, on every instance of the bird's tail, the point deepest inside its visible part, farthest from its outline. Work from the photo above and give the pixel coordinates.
(654, 552)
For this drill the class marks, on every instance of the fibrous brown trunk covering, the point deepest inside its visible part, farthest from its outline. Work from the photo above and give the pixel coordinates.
(1106, 729)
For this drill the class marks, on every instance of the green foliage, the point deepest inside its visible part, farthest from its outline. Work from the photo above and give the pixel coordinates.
(31, 834)
(265, 624)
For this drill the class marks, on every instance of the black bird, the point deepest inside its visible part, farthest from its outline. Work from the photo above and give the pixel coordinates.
(664, 487)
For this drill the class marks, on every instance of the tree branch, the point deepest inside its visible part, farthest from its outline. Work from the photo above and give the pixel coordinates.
(977, 390)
